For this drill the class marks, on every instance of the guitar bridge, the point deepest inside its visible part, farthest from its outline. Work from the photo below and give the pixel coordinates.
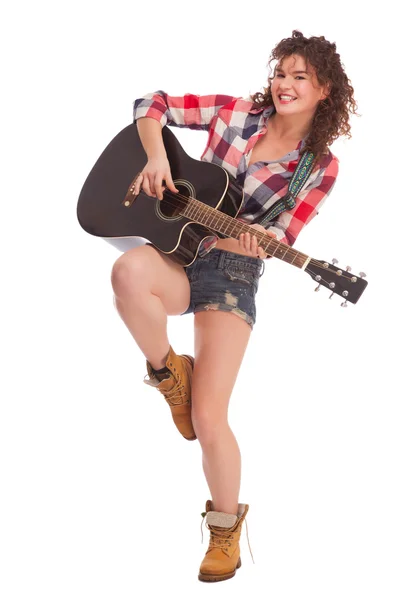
(131, 196)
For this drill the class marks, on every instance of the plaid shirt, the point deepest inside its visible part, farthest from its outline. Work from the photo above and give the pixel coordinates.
(234, 126)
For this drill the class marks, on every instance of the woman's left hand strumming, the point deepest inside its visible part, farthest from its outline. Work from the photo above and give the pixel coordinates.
(248, 243)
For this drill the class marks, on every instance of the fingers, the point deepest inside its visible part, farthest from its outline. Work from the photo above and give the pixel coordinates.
(250, 245)
(153, 186)
(138, 183)
(170, 183)
(158, 187)
(146, 186)
(150, 185)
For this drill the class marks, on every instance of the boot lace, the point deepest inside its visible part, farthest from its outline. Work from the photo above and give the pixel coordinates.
(177, 394)
(221, 538)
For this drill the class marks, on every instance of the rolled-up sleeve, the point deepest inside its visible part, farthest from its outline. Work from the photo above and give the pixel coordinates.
(308, 203)
(190, 110)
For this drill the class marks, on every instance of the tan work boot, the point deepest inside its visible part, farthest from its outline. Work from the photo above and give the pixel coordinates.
(176, 389)
(223, 555)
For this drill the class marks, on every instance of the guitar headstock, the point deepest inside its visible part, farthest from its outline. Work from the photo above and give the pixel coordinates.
(338, 281)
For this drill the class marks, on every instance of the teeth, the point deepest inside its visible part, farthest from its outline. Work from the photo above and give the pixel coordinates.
(287, 98)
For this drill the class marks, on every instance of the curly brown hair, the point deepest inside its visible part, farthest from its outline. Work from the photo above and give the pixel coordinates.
(331, 118)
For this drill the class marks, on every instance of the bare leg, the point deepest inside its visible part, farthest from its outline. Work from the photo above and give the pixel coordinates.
(222, 469)
(220, 342)
(146, 318)
(148, 286)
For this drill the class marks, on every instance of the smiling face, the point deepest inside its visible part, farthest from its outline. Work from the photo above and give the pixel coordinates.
(293, 78)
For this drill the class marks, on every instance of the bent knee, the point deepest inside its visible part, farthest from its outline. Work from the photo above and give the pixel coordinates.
(129, 272)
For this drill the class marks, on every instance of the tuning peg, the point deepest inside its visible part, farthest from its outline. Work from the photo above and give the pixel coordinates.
(361, 274)
(334, 261)
(344, 304)
(348, 268)
(333, 293)
(317, 288)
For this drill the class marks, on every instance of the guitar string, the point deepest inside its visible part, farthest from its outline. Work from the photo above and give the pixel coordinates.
(243, 225)
(322, 280)
(312, 261)
(247, 227)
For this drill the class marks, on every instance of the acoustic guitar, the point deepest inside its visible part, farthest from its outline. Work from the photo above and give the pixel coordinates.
(208, 201)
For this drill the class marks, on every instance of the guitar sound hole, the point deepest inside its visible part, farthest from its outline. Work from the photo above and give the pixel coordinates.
(172, 203)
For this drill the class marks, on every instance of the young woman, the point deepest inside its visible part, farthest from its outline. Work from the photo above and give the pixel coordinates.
(259, 140)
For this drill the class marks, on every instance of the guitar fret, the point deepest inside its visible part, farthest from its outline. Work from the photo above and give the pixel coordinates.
(286, 251)
(273, 252)
(197, 211)
(269, 241)
(226, 228)
(186, 212)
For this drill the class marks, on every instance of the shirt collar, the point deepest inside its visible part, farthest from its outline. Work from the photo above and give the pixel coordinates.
(267, 112)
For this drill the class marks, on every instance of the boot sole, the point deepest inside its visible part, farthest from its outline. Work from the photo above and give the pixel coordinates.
(191, 360)
(212, 578)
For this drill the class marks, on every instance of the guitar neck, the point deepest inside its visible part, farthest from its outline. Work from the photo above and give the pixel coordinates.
(222, 223)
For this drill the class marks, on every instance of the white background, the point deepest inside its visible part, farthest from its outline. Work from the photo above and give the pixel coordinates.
(100, 495)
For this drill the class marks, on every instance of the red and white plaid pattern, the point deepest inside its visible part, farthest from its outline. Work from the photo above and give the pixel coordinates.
(234, 126)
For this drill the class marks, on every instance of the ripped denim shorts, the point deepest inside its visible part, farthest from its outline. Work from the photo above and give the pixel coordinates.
(227, 281)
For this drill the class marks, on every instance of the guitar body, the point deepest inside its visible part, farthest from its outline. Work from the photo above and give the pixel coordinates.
(101, 210)
(208, 201)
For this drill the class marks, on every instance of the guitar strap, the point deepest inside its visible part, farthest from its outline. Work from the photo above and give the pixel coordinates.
(297, 181)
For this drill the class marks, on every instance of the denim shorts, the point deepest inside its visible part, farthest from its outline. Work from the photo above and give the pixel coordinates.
(227, 281)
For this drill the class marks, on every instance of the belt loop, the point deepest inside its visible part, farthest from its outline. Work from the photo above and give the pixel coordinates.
(221, 259)
(263, 268)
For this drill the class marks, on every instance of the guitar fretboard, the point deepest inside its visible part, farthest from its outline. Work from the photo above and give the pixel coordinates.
(218, 221)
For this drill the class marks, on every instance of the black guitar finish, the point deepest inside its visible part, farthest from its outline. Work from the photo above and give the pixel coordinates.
(101, 211)
(209, 199)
